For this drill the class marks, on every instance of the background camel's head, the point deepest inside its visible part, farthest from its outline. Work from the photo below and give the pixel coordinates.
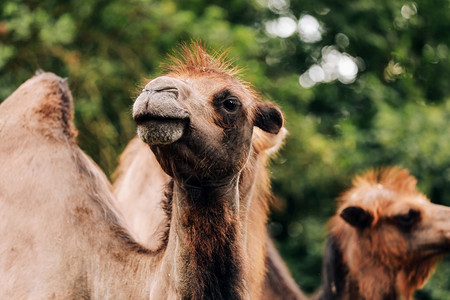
(199, 118)
(390, 233)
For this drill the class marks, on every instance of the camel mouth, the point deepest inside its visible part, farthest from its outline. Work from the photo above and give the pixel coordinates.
(148, 117)
(157, 130)
(160, 118)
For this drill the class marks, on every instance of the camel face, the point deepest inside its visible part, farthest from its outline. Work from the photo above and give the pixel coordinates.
(389, 233)
(429, 229)
(402, 227)
(199, 123)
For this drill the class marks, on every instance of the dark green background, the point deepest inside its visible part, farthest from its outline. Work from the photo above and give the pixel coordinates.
(396, 112)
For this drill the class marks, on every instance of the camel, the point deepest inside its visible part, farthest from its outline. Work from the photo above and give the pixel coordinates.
(384, 240)
(64, 237)
(221, 148)
(140, 187)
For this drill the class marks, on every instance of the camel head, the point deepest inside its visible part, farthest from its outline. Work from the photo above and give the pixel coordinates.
(199, 118)
(389, 233)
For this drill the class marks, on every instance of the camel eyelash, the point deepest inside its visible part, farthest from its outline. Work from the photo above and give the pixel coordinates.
(225, 95)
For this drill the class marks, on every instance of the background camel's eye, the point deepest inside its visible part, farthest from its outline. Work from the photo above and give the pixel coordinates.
(409, 219)
(231, 105)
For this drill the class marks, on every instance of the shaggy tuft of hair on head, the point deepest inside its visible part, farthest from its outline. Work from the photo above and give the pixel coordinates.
(194, 58)
(393, 178)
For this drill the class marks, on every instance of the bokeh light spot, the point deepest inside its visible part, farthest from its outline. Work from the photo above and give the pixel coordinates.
(309, 29)
(408, 10)
(282, 27)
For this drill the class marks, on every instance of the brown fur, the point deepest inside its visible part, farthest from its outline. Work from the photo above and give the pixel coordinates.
(385, 240)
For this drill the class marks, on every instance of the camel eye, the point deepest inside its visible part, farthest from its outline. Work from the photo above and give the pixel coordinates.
(409, 219)
(231, 105)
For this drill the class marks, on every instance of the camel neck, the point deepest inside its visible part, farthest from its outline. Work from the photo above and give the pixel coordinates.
(205, 229)
(202, 192)
(337, 284)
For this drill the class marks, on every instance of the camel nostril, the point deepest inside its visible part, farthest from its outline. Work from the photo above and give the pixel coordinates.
(171, 90)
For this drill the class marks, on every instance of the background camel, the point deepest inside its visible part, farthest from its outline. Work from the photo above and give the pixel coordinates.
(385, 239)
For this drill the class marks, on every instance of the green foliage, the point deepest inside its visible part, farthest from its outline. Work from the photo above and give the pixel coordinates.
(394, 112)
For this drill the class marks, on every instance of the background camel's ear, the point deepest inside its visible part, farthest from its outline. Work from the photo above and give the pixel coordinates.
(268, 117)
(357, 217)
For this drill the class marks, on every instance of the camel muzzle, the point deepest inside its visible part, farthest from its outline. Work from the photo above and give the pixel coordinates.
(159, 116)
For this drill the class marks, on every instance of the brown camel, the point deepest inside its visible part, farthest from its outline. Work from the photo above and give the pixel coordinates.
(63, 236)
(140, 187)
(385, 239)
(200, 121)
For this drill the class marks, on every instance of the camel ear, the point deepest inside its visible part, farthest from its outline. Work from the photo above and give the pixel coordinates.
(268, 142)
(268, 117)
(357, 217)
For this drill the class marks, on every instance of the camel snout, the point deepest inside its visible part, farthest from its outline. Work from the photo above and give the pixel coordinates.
(159, 116)
(434, 237)
(158, 105)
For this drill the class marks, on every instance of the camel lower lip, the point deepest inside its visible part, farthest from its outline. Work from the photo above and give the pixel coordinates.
(161, 131)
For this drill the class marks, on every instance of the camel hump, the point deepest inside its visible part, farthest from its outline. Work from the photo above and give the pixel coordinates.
(42, 104)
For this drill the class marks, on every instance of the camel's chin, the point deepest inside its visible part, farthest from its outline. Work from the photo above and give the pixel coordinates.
(161, 132)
